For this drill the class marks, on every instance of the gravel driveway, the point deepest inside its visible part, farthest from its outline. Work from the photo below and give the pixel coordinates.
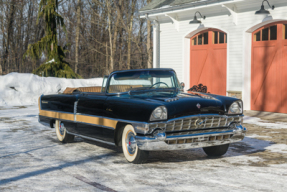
(31, 159)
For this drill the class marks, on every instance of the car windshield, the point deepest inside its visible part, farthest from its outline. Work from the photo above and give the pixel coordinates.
(143, 81)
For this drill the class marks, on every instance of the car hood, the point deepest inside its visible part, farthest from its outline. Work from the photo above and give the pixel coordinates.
(140, 107)
(184, 104)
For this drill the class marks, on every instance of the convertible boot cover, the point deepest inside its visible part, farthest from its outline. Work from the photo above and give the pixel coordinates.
(70, 90)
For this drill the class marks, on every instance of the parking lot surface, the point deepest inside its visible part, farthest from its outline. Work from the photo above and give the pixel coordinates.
(31, 159)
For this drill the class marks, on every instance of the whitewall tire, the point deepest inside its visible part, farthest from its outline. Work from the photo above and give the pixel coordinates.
(62, 134)
(130, 149)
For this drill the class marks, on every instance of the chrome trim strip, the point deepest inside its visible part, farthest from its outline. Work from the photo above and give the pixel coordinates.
(161, 145)
(205, 115)
(198, 134)
(75, 110)
(58, 111)
(90, 138)
(121, 120)
(175, 137)
(211, 122)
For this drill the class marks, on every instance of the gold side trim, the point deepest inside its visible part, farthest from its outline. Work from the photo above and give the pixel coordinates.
(57, 115)
(80, 118)
(39, 104)
(97, 121)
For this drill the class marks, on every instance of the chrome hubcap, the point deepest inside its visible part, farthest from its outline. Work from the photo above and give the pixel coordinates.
(131, 143)
(62, 128)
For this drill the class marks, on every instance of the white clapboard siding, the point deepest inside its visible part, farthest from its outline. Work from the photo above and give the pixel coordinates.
(172, 49)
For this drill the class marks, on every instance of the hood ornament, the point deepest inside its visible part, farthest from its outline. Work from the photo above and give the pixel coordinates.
(198, 105)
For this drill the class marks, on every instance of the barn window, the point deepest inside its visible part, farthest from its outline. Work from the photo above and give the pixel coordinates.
(273, 32)
(215, 37)
(221, 37)
(199, 39)
(194, 41)
(265, 34)
(258, 36)
(205, 38)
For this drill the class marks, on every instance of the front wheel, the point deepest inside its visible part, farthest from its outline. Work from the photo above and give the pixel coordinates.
(130, 149)
(216, 151)
(62, 134)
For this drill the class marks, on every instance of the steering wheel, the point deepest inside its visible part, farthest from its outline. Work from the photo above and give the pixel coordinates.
(159, 83)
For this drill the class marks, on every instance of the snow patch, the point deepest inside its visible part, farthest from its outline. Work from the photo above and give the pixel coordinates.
(278, 148)
(24, 88)
(263, 123)
(258, 136)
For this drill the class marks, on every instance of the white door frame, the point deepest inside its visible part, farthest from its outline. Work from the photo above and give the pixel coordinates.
(247, 53)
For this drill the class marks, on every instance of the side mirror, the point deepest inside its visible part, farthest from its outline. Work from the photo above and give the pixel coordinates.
(182, 85)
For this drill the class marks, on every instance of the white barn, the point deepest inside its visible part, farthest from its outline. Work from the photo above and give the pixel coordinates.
(233, 51)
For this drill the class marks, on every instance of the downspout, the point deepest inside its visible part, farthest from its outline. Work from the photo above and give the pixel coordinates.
(156, 42)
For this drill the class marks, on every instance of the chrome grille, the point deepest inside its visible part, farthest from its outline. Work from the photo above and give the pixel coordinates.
(199, 131)
(199, 139)
(197, 122)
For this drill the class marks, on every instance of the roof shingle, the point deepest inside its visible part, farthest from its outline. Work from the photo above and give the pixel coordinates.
(155, 4)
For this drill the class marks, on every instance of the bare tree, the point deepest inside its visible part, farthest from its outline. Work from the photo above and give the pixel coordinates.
(102, 35)
(130, 28)
(10, 33)
(77, 35)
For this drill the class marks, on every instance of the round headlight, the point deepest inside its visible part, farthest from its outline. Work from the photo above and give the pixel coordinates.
(236, 108)
(157, 113)
(160, 113)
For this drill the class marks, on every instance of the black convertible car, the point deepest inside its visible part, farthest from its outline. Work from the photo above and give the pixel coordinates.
(145, 110)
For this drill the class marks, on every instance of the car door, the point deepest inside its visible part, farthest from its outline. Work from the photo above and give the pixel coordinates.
(91, 110)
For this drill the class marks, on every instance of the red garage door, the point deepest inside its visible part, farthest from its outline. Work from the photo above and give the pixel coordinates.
(269, 69)
(208, 55)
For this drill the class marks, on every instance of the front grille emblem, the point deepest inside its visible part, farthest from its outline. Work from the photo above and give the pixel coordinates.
(198, 105)
(199, 123)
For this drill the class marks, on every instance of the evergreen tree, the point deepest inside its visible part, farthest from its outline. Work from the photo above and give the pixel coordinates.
(56, 67)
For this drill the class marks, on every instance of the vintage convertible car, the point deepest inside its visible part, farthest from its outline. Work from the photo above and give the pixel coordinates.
(145, 110)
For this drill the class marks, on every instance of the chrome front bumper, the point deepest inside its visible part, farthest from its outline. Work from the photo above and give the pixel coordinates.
(160, 140)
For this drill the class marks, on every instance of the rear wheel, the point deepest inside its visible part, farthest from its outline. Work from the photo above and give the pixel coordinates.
(130, 149)
(62, 134)
(216, 151)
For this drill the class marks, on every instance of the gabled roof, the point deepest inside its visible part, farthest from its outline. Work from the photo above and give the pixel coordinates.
(166, 5)
(155, 4)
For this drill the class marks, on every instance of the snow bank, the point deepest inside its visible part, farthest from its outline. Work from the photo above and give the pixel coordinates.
(24, 89)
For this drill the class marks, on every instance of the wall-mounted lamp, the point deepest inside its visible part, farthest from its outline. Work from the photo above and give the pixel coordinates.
(262, 10)
(195, 21)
